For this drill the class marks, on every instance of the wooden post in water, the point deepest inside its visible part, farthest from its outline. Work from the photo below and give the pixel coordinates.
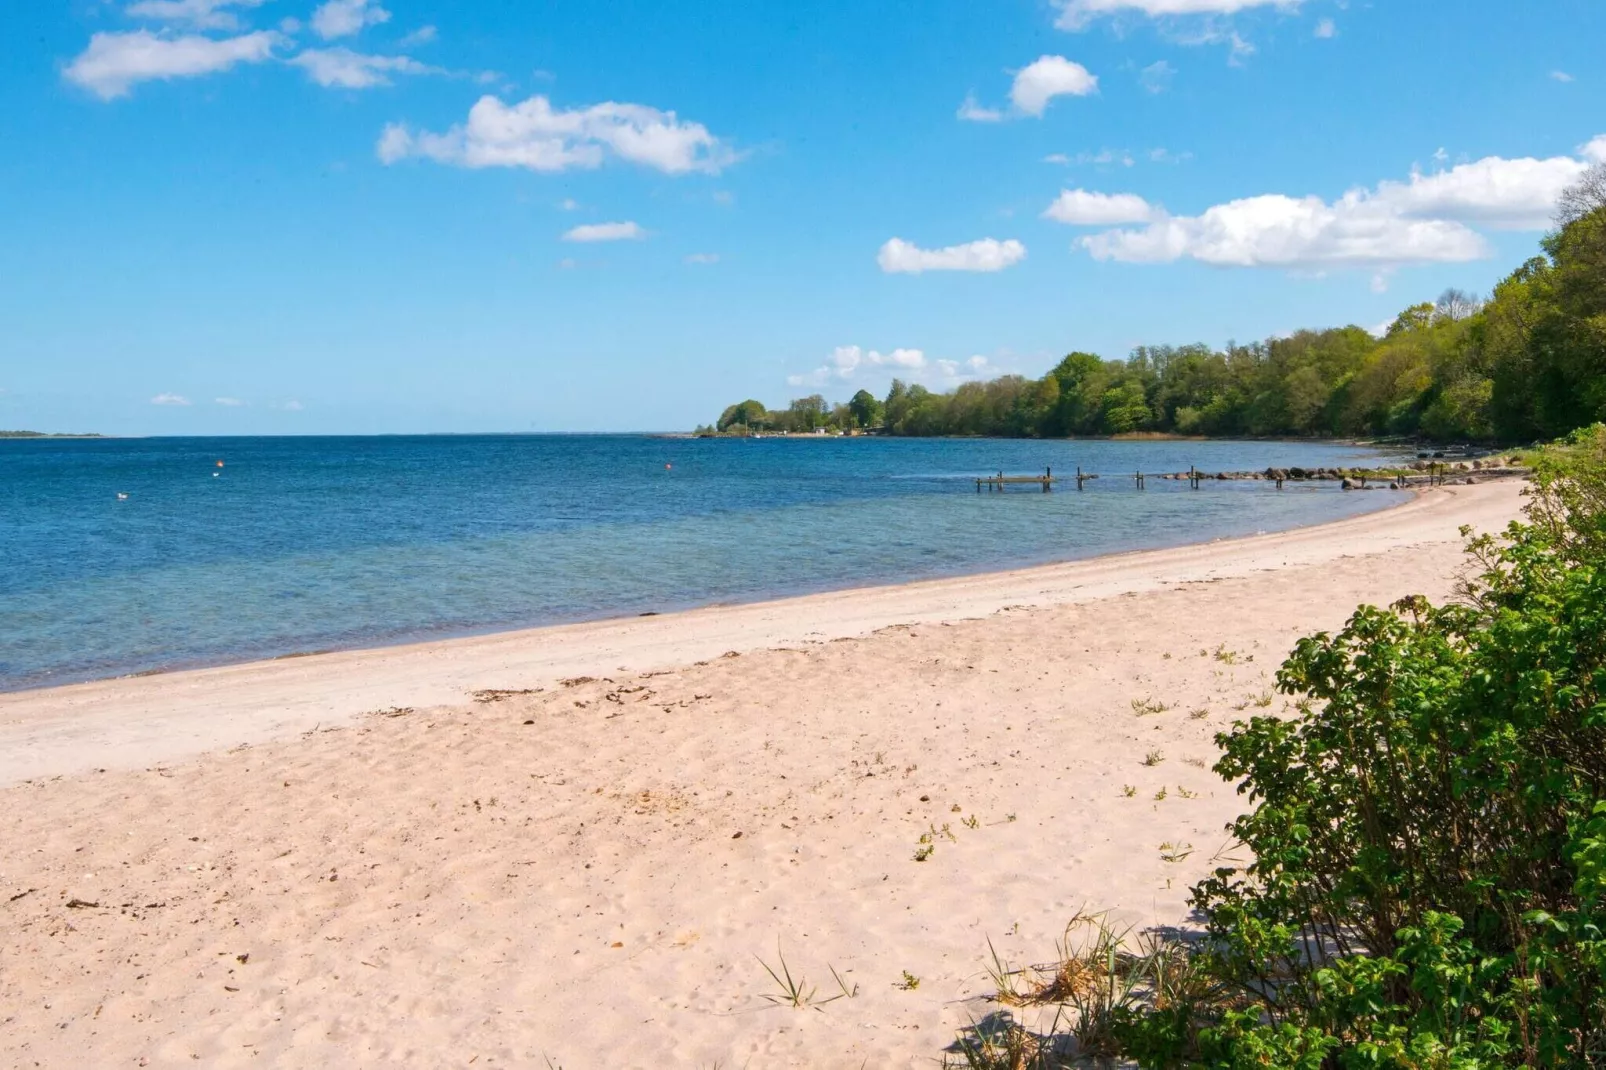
(1193, 477)
(1079, 477)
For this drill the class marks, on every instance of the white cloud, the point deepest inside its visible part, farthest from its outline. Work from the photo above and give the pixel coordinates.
(970, 368)
(1517, 194)
(200, 14)
(290, 406)
(421, 36)
(534, 135)
(1081, 207)
(170, 399)
(1422, 220)
(1594, 150)
(1059, 158)
(342, 18)
(1156, 77)
(972, 112)
(1078, 14)
(231, 403)
(115, 62)
(589, 232)
(345, 69)
(1561, 76)
(1049, 77)
(1278, 231)
(848, 362)
(569, 204)
(1326, 28)
(988, 254)
(703, 258)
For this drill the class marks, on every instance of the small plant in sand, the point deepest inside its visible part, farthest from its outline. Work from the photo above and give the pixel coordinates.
(1185, 793)
(1175, 852)
(1096, 980)
(1159, 796)
(907, 983)
(1128, 790)
(1263, 700)
(924, 847)
(1199, 714)
(1153, 758)
(796, 992)
(1225, 656)
(971, 822)
(1197, 763)
(1145, 707)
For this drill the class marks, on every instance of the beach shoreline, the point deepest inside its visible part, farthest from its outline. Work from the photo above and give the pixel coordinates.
(130, 721)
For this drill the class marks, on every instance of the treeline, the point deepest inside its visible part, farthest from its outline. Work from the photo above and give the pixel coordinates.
(1527, 363)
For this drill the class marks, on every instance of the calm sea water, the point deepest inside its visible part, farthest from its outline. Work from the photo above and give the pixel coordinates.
(300, 544)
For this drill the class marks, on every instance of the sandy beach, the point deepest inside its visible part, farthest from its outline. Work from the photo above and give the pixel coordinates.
(578, 843)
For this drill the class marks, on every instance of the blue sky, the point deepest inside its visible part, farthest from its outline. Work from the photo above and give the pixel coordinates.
(276, 216)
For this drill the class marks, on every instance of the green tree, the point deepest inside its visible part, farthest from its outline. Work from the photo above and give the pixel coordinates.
(865, 409)
(745, 414)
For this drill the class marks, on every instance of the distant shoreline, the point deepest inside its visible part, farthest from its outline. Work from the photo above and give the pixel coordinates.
(49, 434)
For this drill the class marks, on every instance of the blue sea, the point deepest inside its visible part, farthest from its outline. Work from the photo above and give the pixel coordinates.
(239, 548)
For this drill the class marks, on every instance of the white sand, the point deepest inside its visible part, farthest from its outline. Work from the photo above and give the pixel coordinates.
(453, 884)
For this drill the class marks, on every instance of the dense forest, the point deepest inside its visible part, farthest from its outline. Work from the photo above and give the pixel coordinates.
(1528, 362)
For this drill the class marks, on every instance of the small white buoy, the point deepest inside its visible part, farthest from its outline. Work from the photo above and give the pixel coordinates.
(121, 496)
(214, 475)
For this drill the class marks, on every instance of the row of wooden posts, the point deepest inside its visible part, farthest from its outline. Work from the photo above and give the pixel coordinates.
(1436, 475)
(1048, 479)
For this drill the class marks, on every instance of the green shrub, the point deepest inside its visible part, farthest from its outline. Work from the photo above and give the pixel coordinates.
(1429, 878)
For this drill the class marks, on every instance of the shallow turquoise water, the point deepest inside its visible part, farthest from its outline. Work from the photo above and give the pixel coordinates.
(299, 544)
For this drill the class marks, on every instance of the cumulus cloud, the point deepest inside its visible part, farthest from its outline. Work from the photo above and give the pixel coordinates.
(1079, 14)
(115, 62)
(421, 36)
(1278, 231)
(1517, 194)
(590, 232)
(1422, 220)
(972, 112)
(1049, 77)
(344, 69)
(1033, 87)
(1594, 150)
(1081, 207)
(200, 14)
(849, 363)
(1326, 28)
(534, 135)
(988, 254)
(170, 399)
(342, 18)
